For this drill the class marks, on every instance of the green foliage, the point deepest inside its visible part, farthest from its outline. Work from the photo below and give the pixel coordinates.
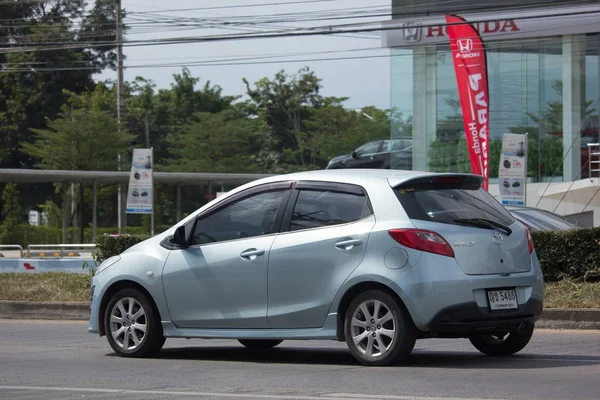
(219, 142)
(11, 212)
(573, 254)
(25, 235)
(31, 94)
(84, 137)
(449, 156)
(284, 103)
(109, 246)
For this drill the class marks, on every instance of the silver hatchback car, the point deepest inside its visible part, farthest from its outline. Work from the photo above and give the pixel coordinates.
(375, 258)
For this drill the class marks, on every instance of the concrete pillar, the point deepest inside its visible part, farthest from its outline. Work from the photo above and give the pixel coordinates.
(573, 103)
(401, 94)
(94, 210)
(424, 104)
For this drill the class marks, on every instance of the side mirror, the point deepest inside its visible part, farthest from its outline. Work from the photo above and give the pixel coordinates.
(354, 155)
(179, 238)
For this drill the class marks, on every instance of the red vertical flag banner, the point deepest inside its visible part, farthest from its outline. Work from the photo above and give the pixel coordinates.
(470, 65)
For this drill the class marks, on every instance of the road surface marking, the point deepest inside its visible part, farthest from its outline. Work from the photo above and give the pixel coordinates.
(333, 396)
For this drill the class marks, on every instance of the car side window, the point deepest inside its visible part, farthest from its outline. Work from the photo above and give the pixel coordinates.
(249, 217)
(318, 208)
(367, 149)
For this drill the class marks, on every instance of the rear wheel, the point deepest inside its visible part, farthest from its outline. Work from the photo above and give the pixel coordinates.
(132, 324)
(259, 344)
(504, 344)
(378, 330)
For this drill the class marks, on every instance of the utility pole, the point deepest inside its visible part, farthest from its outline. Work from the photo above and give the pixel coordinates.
(119, 38)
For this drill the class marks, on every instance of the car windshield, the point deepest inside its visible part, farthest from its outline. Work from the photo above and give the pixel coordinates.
(542, 220)
(449, 204)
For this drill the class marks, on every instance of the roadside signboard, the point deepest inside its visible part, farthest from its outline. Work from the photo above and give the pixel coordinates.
(139, 193)
(513, 169)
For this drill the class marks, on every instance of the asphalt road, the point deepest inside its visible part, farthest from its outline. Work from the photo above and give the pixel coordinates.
(60, 360)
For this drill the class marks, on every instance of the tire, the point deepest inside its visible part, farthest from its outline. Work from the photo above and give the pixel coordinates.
(260, 343)
(143, 314)
(395, 332)
(493, 346)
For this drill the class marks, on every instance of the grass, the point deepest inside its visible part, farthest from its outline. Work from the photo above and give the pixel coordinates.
(53, 286)
(47, 286)
(572, 294)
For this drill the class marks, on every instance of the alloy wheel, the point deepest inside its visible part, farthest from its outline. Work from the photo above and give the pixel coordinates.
(373, 328)
(128, 323)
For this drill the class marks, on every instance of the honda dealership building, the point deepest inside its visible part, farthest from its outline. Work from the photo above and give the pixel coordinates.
(543, 74)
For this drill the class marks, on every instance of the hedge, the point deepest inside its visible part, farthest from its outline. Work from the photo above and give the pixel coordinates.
(563, 254)
(112, 245)
(573, 254)
(29, 234)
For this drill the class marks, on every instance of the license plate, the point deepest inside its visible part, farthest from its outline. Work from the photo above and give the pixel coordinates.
(505, 299)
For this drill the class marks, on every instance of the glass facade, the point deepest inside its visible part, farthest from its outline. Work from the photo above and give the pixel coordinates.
(545, 87)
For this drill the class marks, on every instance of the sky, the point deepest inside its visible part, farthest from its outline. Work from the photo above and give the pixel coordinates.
(365, 81)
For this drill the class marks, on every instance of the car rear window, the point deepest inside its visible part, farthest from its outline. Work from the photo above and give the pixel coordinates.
(447, 203)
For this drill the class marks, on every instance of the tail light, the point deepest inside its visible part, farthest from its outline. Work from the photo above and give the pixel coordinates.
(529, 240)
(423, 240)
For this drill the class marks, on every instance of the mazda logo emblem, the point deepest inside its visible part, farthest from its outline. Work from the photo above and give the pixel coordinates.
(497, 238)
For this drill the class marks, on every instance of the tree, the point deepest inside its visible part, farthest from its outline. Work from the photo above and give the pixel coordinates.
(100, 26)
(219, 142)
(85, 137)
(32, 83)
(284, 103)
(11, 212)
(545, 147)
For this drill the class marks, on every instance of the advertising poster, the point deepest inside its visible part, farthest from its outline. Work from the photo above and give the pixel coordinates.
(470, 66)
(139, 194)
(513, 169)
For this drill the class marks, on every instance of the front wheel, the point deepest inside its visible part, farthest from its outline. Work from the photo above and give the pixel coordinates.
(259, 344)
(133, 327)
(504, 344)
(378, 330)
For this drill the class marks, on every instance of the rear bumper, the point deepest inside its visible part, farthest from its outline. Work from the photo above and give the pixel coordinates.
(469, 318)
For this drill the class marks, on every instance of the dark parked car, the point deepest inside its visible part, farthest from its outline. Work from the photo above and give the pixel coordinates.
(377, 154)
(541, 220)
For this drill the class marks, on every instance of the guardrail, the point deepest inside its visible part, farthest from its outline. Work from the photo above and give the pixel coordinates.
(61, 247)
(12, 247)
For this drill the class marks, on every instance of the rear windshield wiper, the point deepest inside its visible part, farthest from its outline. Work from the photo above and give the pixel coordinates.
(484, 223)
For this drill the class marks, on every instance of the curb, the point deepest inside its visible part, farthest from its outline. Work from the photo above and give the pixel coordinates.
(552, 318)
(570, 318)
(44, 310)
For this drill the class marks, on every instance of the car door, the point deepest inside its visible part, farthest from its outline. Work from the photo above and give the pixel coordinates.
(328, 227)
(220, 281)
(381, 159)
(400, 154)
(364, 156)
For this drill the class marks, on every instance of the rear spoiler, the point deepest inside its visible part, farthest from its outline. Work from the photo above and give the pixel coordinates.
(439, 181)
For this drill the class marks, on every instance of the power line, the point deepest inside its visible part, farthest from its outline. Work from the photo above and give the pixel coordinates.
(239, 6)
(568, 151)
(299, 32)
(253, 60)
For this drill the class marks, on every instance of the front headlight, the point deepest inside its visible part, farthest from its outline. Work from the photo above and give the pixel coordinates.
(107, 263)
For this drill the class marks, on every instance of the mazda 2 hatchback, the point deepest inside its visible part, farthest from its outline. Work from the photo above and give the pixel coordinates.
(375, 258)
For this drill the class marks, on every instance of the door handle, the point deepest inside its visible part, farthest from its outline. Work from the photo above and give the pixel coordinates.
(251, 254)
(348, 244)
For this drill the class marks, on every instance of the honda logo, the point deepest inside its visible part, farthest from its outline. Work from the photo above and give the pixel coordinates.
(412, 32)
(465, 45)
